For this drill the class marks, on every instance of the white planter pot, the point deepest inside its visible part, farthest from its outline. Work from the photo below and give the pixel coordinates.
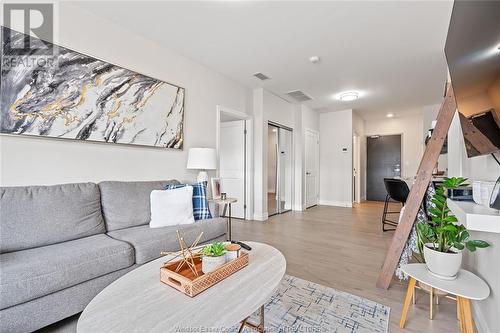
(210, 264)
(231, 255)
(443, 265)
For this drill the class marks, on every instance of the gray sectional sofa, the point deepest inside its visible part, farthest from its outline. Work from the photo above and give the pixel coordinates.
(61, 245)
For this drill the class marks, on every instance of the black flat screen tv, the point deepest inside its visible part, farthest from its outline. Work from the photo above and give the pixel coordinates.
(473, 55)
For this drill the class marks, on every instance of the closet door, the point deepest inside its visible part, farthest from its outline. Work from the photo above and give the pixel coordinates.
(272, 170)
(285, 170)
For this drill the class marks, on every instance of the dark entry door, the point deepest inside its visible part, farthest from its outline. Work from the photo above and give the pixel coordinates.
(383, 161)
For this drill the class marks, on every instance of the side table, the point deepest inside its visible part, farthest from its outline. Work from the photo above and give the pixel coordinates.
(226, 203)
(465, 287)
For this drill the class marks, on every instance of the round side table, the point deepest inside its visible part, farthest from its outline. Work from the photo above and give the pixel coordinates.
(226, 203)
(465, 287)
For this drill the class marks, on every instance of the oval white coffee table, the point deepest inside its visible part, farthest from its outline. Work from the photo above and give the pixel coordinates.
(139, 302)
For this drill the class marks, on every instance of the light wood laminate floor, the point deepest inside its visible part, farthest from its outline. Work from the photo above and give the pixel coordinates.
(344, 248)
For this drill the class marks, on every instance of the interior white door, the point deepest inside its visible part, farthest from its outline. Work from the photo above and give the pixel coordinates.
(232, 163)
(312, 168)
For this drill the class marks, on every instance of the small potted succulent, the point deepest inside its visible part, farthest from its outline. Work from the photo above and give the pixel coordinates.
(441, 240)
(213, 257)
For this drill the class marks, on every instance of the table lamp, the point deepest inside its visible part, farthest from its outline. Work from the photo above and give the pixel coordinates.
(202, 159)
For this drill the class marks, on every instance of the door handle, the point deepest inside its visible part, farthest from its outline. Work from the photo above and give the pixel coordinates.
(308, 173)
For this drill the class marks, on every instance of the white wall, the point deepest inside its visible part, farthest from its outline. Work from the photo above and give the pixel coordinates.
(411, 127)
(278, 110)
(358, 126)
(482, 261)
(305, 119)
(456, 148)
(310, 118)
(429, 114)
(260, 156)
(336, 165)
(28, 160)
(266, 107)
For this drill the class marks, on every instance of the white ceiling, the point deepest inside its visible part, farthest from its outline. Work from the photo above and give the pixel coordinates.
(391, 51)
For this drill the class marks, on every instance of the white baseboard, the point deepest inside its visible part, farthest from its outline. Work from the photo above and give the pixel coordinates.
(260, 216)
(335, 203)
(298, 208)
(479, 320)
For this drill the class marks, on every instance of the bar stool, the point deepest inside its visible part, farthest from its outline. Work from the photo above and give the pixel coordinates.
(397, 191)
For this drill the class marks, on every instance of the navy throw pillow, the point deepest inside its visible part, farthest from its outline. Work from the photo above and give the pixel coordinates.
(201, 211)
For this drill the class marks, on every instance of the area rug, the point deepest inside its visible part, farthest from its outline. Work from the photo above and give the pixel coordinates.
(303, 306)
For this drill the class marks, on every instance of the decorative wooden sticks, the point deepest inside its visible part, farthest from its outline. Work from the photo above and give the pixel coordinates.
(188, 253)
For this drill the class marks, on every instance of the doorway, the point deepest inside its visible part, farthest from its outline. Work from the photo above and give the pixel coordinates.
(279, 169)
(234, 151)
(311, 167)
(383, 160)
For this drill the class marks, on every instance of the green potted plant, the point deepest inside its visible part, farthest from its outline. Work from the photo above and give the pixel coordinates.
(441, 240)
(213, 257)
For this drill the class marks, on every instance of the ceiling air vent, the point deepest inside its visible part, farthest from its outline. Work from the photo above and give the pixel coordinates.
(299, 96)
(261, 76)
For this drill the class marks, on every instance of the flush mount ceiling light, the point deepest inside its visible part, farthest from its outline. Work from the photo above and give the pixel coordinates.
(348, 96)
(314, 59)
(389, 115)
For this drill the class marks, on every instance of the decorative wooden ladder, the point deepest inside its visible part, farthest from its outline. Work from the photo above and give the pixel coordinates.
(419, 188)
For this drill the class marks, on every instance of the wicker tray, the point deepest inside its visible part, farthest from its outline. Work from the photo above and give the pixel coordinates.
(190, 284)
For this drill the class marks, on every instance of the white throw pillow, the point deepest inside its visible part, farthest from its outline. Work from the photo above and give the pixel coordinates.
(171, 207)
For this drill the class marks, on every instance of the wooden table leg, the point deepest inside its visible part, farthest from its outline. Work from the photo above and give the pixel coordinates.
(460, 311)
(407, 301)
(242, 326)
(258, 327)
(431, 304)
(466, 315)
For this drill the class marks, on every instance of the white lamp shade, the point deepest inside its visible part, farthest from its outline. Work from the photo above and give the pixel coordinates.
(202, 159)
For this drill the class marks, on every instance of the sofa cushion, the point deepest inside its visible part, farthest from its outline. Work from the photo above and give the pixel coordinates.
(29, 274)
(32, 216)
(149, 242)
(127, 204)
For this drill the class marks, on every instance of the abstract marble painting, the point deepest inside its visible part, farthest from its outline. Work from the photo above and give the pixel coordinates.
(75, 96)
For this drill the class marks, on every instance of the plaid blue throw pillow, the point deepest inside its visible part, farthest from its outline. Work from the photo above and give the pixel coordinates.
(201, 211)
